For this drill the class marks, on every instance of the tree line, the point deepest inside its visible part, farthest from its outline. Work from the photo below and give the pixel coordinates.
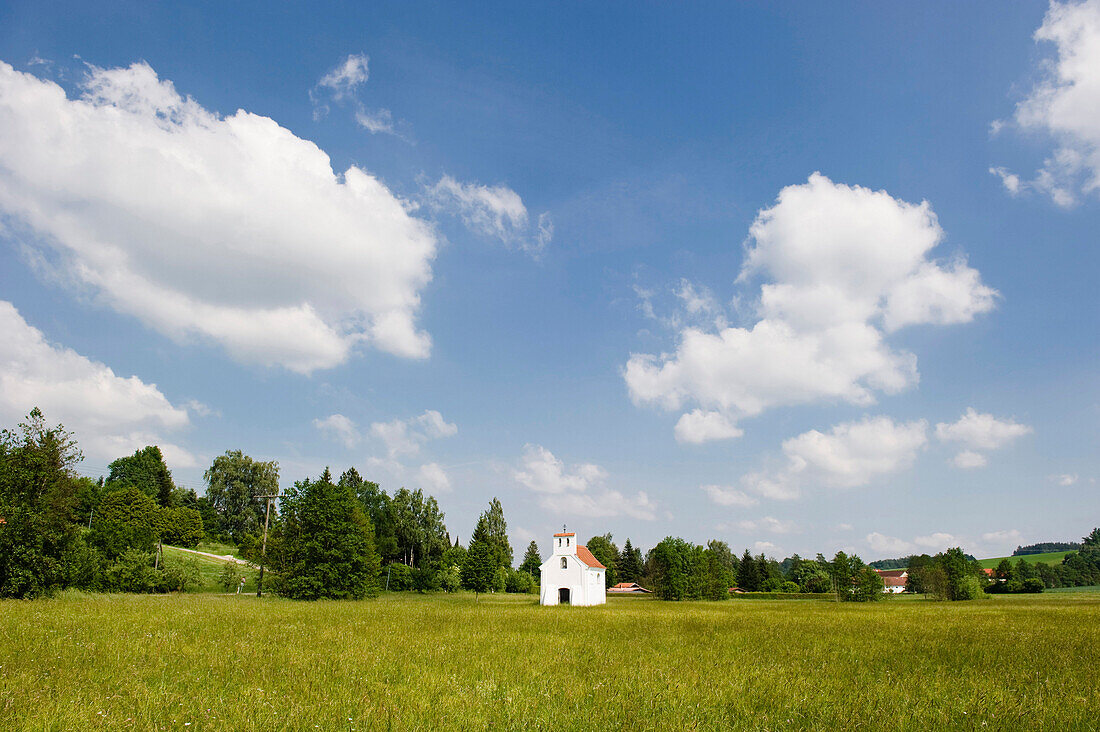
(321, 538)
(1046, 547)
(348, 538)
(676, 569)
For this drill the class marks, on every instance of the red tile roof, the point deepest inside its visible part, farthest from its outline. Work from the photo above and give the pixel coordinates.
(893, 581)
(892, 572)
(628, 587)
(586, 556)
(567, 534)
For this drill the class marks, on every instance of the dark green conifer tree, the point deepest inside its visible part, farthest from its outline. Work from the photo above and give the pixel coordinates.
(480, 569)
(328, 544)
(532, 562)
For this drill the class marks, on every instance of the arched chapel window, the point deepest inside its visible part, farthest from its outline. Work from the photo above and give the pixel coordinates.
(564, 563)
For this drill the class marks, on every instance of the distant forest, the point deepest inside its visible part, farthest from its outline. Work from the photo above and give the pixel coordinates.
(903, 562)
(1047, 546)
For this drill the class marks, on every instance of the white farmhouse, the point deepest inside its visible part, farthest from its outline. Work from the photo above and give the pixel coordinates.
(572, 576)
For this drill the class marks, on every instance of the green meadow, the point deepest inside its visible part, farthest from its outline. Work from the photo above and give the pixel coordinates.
(1047, 558)
(404, 661)
(207, 571)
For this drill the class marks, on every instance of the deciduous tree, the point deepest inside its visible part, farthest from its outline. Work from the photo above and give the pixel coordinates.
(146, 470)
(235, 483)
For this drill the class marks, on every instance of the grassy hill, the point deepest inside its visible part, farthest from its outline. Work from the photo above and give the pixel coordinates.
(209, 569)
(1048, 558)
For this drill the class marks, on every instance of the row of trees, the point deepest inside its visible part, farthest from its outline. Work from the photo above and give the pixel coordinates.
(348, 538)
(1081, 568)
(1047, 547)
(679, 570)
(950, 575)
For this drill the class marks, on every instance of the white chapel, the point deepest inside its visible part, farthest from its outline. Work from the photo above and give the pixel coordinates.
(572, 576)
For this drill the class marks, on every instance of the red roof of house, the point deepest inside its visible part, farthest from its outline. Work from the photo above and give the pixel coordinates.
(566, 534)
(892, 572)
(628, 587)
(893, 581)
(988, 571)
(586, 556)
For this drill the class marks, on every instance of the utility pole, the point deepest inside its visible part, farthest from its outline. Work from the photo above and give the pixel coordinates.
(263, 551)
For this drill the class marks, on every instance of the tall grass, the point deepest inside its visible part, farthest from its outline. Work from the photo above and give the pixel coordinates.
(446, 662)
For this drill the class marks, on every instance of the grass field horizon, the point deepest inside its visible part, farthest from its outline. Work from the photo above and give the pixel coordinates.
(207, 661)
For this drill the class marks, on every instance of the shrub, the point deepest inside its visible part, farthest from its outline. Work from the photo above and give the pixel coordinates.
(132, 571)
(398, 577)
(230, 576)
(773, 584)
(124, 520)
(450, 579)
(968, 588)
(518, 581)
(179, 526)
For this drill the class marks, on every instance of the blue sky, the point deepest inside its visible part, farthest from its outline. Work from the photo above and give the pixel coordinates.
(798, 278)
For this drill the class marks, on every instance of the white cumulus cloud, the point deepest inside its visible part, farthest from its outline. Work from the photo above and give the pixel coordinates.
(339, 428)
(348, 75)
(578, 490)
(769, 524)
(496, 212)
(930, 544)
(405, 436)
(433, 478)
(698, 426)
(849, 455)
(1003, 536)
(979, 433)
(968, 460)
(110, 415)
(884, 544)
(844, 266)
(937, 542)
(341, 86)
(729, 496)
(1065, 105)
(229, 228)
(767, 548)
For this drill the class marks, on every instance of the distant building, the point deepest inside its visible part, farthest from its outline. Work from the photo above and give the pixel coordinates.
(893, 579)
(629, 587)
(571, 576)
